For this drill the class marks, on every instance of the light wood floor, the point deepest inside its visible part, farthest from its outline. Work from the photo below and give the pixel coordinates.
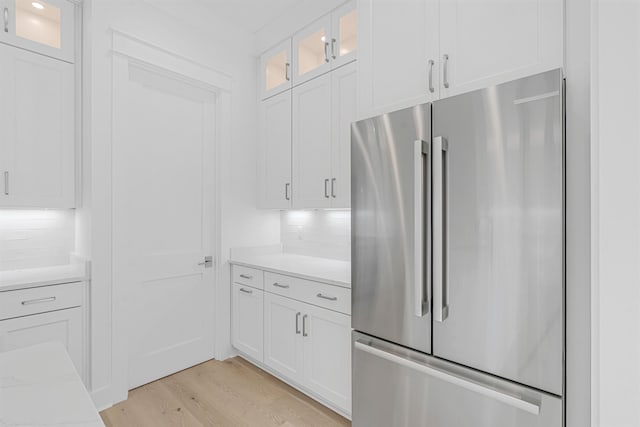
(228, 393)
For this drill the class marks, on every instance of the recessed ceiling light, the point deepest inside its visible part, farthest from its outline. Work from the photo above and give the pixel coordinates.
(37, 5)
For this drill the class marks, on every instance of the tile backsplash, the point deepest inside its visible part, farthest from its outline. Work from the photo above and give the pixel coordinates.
(321, 233)
(35, 238)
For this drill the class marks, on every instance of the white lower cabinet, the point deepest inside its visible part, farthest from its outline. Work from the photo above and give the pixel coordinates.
(305, 343)
(282, 333)
(327, 355)
(247, 320)
(64, 326)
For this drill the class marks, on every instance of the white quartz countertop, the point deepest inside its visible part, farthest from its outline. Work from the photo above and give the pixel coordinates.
(32, 277)
(306, 267)
(39, 386)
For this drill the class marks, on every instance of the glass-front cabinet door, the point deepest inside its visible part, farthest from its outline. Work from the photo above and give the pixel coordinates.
(43, 26)
(344, 40)
(312, 51)
(275, 69)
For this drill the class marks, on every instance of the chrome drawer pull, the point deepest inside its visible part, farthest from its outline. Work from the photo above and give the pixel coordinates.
(278, 285)
(326, 297)
(38, 301)
(246, 291)
(245, 276)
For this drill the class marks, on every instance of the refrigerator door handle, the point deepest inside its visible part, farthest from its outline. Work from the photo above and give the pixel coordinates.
(456, 380)
(421, 301)
(440, 303)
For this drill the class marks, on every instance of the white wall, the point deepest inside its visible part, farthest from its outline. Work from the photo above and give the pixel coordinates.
(325, 234)
(616, 213)
(214, 44)
(35, 238)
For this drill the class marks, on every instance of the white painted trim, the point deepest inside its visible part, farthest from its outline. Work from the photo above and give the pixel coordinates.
(142, 51)
(128, 49)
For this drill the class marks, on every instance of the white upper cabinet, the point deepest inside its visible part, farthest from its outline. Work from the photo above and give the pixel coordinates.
(275, 70)
(312, 143)
(328, 43)
(274, 164)
(37, 117)
(43, 26)
(398, 39)
(344, 38)
(415, 51)
(312, 51)
(344, 86)
(323, 110)
(487, 42)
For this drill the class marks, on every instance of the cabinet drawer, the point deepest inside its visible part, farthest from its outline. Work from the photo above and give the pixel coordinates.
(316, 293)
(247, 276)
(24, 302)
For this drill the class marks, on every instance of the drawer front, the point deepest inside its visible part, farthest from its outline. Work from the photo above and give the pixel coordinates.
(316, 293)
(247, 276)
(24, 302)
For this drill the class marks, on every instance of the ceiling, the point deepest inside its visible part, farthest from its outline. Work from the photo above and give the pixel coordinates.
(250, 15)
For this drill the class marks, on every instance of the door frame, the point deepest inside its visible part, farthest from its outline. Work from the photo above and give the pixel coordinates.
(127, 49)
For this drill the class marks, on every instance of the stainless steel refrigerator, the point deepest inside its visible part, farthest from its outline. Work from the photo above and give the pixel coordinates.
(458, 260)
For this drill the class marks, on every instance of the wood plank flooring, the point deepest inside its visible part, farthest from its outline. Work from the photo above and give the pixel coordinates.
(228, 393)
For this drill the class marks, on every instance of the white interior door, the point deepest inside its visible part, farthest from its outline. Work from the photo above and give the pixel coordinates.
(163, 210)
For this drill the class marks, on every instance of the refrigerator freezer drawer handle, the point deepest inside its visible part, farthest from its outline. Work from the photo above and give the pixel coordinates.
(508, 399)
(421, 304)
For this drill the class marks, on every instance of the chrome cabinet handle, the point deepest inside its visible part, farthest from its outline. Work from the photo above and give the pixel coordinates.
(326, 188)
(298, 322)
(304, 326)
(326, 52)
(333, 188)
(246, 276)
(445, 71)
(246, 291)
(278, 285)
(38, 301)
(421, 218)
(459, 381)
(286, 191)
(333, 48)
(327, 297)
(440, 307)
(431, 64)
(286, 71)
(6, 183)
(6, 19)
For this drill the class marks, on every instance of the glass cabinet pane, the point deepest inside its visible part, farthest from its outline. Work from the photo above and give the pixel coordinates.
(276, 70)
(311, 52)
(347, 33)
(38, 21)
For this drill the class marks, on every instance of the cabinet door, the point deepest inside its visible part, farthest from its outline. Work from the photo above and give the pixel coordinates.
(344, 35)
(494, 41)
(274, 177)
(64, 326)
(275, 69)
(327, 355)
(343, 102)
(397, 39)
(282, 336)
(312, 51)
(247, 327)
(38, 142)
(43, 26)
(312, 143)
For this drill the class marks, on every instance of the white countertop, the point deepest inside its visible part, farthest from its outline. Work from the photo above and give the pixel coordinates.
(306, 267)
(39, 386)
(32, 277)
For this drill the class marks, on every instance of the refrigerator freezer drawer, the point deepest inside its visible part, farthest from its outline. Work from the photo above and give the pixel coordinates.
(394, 386)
